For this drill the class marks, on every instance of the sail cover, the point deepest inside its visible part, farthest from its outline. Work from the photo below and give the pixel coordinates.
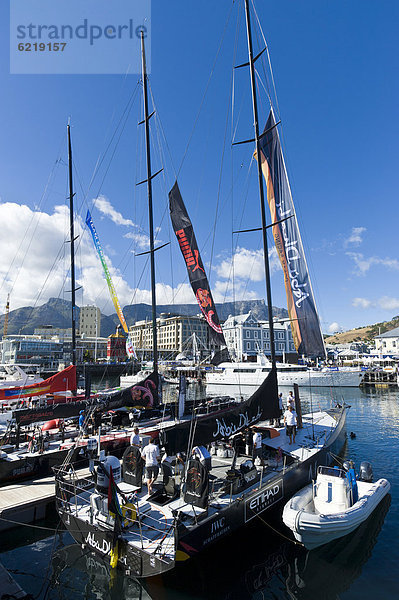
(60, 382)
(301, 304)
(263, 404)
(188, 245)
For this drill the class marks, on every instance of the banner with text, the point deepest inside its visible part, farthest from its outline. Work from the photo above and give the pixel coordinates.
(305, 323)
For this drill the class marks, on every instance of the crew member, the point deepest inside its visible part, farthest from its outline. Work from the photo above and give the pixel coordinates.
(290, 423)
(150, 454)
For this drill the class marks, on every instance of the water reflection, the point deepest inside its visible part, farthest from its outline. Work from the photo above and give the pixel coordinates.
(262, 564)
(254, 565)
(89, 576)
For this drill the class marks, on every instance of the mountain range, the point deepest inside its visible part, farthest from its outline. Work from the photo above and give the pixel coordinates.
(57, 312)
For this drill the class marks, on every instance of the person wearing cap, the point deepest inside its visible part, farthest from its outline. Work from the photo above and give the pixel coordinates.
(81, 421)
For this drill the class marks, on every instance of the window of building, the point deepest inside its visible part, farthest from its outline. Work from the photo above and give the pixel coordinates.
(248, 345)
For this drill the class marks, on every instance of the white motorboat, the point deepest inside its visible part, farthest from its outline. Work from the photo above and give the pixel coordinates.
(333, 506)
(14, 376)
(251, 373)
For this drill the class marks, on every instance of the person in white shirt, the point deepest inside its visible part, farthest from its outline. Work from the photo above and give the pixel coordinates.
(291, 400)
(257, 445)
(152, 457)
(290, 423)
(135, 439)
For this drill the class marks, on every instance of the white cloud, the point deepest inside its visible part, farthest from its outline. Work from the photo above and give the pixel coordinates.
(34, 267)
(105, 206)
(222, 291)
(363, 264)
(248, 265)
(388, 303)
(361, 303)
(141, 240)
(355, 238)
(385, 302)
(334, 327)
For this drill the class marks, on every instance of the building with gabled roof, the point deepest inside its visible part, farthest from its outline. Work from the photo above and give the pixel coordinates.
(388, 342)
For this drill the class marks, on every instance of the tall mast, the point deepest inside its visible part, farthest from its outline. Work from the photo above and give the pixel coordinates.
(261, 188)
(150, 213)
(72, 240)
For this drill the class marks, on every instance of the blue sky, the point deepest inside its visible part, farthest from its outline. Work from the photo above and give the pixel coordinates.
(335, 66)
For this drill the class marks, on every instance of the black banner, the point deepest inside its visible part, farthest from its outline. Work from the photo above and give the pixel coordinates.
(197, 484)
(142, 395)
(26, 416)
(188, 245)
(133, 466)
(263, 404)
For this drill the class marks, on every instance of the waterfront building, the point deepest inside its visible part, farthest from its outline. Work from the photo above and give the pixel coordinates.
(90, 321)
(48, 332)
(388, 342)
(32, 350)
(116, 346)
(246, 337)
(174, 334)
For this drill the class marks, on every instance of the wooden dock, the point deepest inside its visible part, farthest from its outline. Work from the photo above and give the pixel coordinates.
(380, 378)
(27, 501)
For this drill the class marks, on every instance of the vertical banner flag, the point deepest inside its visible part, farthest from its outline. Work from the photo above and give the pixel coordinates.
(90, 225)
(130, 349)
(305, 323)
(188, 245)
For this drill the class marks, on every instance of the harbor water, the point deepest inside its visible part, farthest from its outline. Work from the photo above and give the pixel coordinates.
(259, 562)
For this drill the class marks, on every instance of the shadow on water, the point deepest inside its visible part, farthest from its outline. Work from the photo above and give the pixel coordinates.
(258, 563)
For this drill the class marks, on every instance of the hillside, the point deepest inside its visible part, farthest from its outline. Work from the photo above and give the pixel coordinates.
(57, 312)
(365, 334)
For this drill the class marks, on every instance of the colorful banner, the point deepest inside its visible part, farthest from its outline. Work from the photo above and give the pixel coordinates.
(90, 225)
(305, 323)
(60, 382)
(188, 245)
(130, 349)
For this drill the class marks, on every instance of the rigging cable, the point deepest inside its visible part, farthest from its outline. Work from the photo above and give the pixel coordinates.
(206, 88)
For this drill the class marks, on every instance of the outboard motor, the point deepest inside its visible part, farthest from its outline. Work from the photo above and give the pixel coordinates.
(103, 471)
(366, 472)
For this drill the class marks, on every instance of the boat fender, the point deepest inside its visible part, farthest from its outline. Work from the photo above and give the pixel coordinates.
(366, 472)
(297, 519)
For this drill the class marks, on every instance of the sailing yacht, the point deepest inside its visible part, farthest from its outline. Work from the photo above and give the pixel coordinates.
(253, 374)
(220, 489)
